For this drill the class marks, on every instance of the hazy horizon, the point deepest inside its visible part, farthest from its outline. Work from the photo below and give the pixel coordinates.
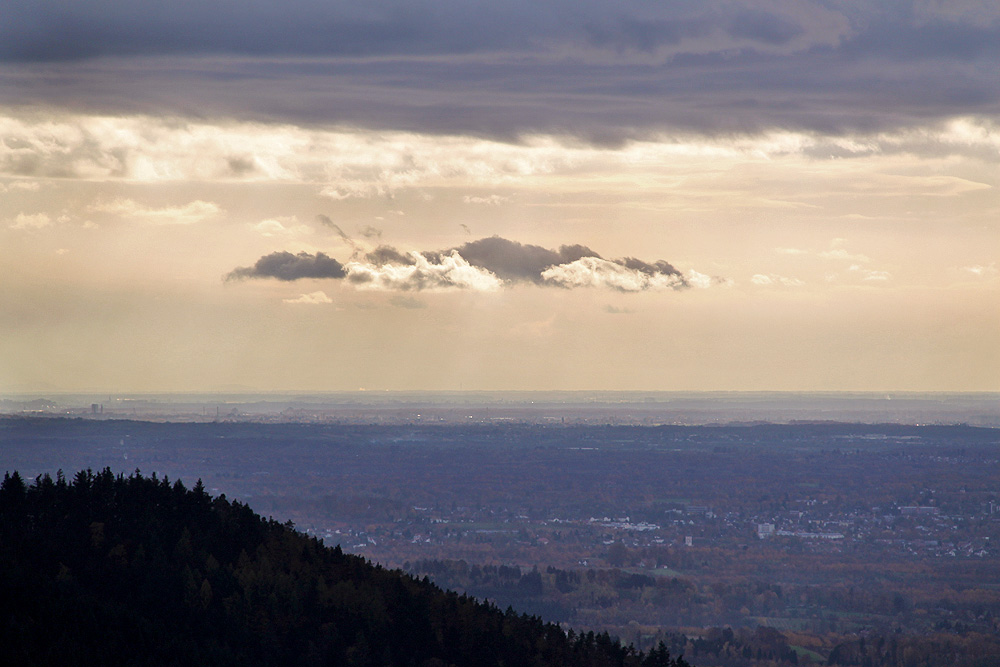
(540, 407)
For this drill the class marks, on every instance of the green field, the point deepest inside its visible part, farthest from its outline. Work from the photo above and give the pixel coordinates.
(803, 652)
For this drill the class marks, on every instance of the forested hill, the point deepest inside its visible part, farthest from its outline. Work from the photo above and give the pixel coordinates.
(115, 570)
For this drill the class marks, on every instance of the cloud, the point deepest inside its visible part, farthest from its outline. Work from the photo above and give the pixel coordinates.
(491, 200)
(445, 273)
(765, 27)
(325, 220)
(370, 232)
(279, 226)
(597, 272)
(22, 186)
(876, 276)
(270, 227)
(615, 310)
(519, 262)
(147, 149)
(507, 69)
(355, 188)
(703, 281)
(408, 302)
(313, 298)
(513, 261)
(982, 270)
(31, 221)
(418, 28)
(769, 279)
(482, 265)
(190, 213)
(385, 254)
(836, 252)
(869, 275)
(286, 266)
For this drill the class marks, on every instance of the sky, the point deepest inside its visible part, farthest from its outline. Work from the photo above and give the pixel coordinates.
(316, 195)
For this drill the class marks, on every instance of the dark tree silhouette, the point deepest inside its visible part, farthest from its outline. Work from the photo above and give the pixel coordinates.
(115, 570)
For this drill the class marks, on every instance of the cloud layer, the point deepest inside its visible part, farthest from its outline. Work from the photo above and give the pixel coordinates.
(364, 164)
(586, 67)
(65, 30)
(484, 265)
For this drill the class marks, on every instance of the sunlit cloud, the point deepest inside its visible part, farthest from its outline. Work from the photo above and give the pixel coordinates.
(770, 279)
(982, 270)
(186, 214)
(450, 273)
(490, 200)
(355, 163)
(21, 186)
(30, 221)
(870, 275)
(279, 227)
(597, 272)
(313, 298)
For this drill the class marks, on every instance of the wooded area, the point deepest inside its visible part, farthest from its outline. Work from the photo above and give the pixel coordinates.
(114, 570)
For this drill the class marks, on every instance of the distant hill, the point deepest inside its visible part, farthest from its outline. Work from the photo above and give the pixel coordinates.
(114, 570)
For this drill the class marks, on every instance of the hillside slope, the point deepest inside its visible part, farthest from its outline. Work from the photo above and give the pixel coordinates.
(114, 570)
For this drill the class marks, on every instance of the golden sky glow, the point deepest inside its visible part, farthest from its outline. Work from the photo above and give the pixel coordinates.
(324, 237)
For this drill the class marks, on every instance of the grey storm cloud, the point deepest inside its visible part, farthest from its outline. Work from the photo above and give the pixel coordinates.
(498, 258)
(62, 30)
(286, 266)
(602, 71)
(510, 260)
(385, 254)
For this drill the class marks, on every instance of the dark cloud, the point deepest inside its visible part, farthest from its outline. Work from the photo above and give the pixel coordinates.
(370, 232)
(929, 41)
(65, 30)
(644, 35)
(286, 266)
(61, 30)
(649, 269)
(326, 221)
(500, 69)
(513, 261)
(241, 166)
(518, 262)
(764, 27)
(385, 254)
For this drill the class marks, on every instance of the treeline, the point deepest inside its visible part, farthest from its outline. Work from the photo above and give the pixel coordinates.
(936, 650)
(554, 590)
(601, 599)
(612, 595)
(112, 570)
